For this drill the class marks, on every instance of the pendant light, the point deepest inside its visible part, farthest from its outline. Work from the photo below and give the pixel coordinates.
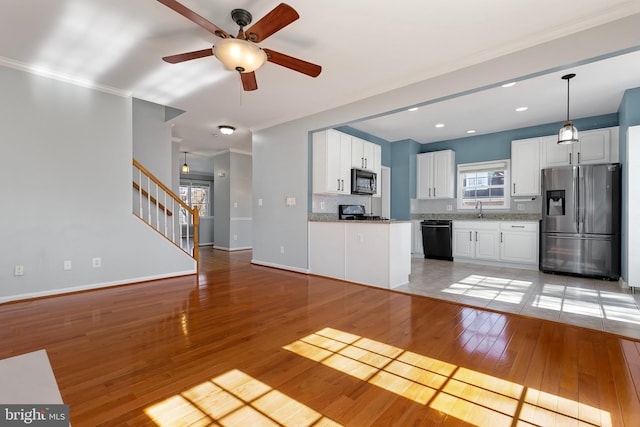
(568, 134)
(185, 167)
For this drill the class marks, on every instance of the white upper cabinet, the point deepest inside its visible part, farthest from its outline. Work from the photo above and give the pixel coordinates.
(525, 167)
(594, 147)
(331, 162)
(363, 154)
(435, 175)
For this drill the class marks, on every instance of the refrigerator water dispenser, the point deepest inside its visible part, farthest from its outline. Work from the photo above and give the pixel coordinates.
(555, 203)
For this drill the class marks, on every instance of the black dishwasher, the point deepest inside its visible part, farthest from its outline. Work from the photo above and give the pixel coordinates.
(436, 238)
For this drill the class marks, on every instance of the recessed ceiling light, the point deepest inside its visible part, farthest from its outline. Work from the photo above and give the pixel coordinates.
(412, 109)
(509, 84)
(471, 131)
(522, 109)
(440, 125)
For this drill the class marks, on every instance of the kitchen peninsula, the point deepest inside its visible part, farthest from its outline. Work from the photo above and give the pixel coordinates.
(375, 252)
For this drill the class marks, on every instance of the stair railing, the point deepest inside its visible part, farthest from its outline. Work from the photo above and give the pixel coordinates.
(164, 211)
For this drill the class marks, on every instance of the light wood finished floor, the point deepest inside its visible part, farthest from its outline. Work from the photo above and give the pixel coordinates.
(249, 345)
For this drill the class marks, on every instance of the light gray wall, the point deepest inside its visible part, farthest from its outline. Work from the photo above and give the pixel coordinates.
(66, 191)
(222, 199)
(152, 140)
(281, 155)
(241, 225)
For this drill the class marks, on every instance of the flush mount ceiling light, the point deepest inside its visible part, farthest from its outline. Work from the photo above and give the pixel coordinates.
(509, 84)
(185, 168)
(226, 129)
(520, 109)
(568, 134)
(440, 125)
(413, 109)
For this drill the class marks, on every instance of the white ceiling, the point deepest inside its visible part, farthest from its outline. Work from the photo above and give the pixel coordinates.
(365, 48)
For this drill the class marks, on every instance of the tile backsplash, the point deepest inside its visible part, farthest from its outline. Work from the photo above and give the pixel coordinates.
(448, 206)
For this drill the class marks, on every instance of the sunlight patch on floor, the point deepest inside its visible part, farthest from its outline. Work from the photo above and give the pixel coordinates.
(471, 396)
(490, 288)
(236, 399)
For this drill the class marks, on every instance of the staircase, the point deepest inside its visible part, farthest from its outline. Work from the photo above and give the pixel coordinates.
(160, 208)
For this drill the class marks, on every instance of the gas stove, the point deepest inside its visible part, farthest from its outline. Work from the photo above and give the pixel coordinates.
(356, 213)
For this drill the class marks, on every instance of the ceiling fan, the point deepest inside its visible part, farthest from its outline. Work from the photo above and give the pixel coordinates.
(241, 53)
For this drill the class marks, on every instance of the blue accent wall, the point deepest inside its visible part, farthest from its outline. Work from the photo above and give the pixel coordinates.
(403, 177)
(628, 115)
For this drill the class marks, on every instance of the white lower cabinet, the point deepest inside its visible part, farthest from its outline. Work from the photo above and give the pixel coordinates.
(416, 238)
(505, 242)
(476, 240)
(376, 254)
(519, 242)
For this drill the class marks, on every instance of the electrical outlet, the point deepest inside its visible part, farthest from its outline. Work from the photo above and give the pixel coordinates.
(96, 262)
(18, 270)
(235, 204)
(281, 249)
(67, 265)
(259, 202)
(520, 206)
(449, 208)
(322, 206)
(235, 237)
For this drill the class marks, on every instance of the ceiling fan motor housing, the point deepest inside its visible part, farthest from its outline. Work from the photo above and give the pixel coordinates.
(241, 17)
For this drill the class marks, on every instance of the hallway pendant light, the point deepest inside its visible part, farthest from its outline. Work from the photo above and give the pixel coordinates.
(568, 134)
(185, 168)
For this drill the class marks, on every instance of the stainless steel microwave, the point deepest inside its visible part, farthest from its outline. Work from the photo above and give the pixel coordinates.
(363, 182)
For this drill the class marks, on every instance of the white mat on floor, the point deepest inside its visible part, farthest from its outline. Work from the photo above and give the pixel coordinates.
(28, 379)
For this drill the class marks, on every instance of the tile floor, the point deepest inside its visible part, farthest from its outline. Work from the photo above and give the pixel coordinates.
(596, 304)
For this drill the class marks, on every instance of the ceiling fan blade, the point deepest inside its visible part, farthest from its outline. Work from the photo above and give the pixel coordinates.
(281, 16)
(187, 56)
(194, 17)
(249, 81)
(292, 63)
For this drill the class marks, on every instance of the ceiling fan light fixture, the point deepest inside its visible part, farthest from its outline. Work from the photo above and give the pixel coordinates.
(568, 134)
(226, 129)
(239, 55)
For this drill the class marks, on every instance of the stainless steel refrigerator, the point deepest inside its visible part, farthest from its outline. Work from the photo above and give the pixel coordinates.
(580, 232)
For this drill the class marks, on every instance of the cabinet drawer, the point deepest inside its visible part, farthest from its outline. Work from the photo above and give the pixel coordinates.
(518, 226)
(477, 225)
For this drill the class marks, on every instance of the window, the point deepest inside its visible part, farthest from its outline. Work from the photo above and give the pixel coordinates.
(486, 182)
(195, 194)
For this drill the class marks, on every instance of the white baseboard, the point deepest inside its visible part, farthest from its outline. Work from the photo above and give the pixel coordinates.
(224, 248)
(281, 267)
(32, 295)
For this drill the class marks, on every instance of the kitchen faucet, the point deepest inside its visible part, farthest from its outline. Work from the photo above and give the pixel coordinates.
(480, 215)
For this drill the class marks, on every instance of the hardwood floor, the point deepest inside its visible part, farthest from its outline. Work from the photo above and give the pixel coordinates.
(250, 345)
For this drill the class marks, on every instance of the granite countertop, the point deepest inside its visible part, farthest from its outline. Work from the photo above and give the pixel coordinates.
(329, 217)
(489, 216)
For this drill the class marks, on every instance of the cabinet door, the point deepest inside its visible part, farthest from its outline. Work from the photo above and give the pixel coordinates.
(519, 247)
(357, 148)
(345, 164)
(377, 166)
(368, 154)
(525, 167)
(416, 238)
(443, 174)
(594, 147)
(486, 242)
(463, 243)
(554, 154)
(424, 166)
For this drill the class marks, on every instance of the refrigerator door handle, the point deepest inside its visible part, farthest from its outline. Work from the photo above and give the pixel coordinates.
(576, 197)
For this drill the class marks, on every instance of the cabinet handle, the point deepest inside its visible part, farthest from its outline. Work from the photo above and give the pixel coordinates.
(570, 158)
(517, 226)
(501, 237)
(429, 191)
(514, 188)
(470, 239)
(476, 236)
(362, 162)
(339, 184)
(578, 157)
(434, 191)
(366, 163)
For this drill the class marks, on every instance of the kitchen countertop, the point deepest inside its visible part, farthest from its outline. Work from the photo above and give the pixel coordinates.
(329, 217)
(488, 216)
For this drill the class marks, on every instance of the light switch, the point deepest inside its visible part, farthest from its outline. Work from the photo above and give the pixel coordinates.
(291, 201)
(259, 202)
